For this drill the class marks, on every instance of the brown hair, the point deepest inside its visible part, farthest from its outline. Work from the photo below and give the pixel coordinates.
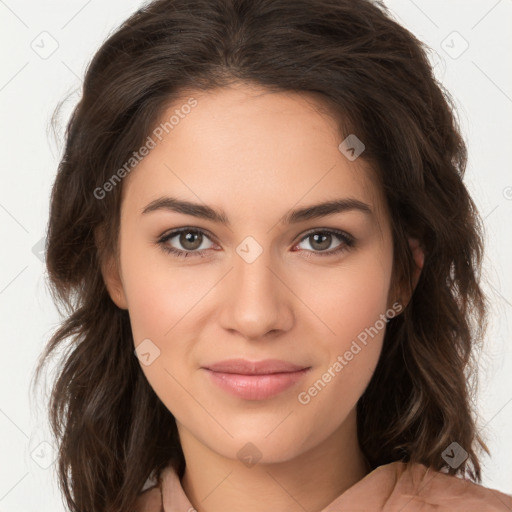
(372, 74)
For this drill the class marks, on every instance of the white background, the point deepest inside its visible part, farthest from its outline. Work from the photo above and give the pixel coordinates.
(30, 88)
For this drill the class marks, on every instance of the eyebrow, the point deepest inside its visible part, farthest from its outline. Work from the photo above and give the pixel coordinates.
(299, 215)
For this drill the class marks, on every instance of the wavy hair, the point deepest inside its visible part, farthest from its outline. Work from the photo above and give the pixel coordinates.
(374, 77)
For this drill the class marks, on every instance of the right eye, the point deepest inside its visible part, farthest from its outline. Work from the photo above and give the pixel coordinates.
(190, 239)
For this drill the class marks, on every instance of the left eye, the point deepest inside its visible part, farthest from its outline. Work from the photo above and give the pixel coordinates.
(191, 241)
(322, 240)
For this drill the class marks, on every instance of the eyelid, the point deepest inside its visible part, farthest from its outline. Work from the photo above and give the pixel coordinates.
(176, 231)
(339, 232)
(168, 235)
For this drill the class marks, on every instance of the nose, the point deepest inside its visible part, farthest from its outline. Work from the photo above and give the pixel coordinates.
(256, 301)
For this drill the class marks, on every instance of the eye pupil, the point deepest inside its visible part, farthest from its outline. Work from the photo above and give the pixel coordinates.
(187, 238)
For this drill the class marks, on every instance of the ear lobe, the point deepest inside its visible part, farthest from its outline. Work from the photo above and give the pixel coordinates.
(110, 273)
(403, 292)
(418, 254)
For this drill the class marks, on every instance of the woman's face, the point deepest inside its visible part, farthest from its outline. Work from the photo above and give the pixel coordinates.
(267, 283)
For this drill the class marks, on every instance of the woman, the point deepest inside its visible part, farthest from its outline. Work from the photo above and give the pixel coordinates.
(271, 265)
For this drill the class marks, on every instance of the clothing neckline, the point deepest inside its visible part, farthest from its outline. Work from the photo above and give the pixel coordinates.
(174, 497)
(387, 488)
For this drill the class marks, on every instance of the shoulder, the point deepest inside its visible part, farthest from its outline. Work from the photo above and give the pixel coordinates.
(161, 487)
(149, 501)
(150, 498)
(426, 487)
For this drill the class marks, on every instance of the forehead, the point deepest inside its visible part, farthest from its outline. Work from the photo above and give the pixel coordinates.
(258, 148)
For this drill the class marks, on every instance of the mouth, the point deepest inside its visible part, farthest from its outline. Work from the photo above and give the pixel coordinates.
(258, 380)
(263, 367)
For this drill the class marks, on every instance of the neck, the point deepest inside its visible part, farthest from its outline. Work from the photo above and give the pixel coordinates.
(309, 481)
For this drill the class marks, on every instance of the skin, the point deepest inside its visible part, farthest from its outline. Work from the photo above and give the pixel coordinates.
(257, 155)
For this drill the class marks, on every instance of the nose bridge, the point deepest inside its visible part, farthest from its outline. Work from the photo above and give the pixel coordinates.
(256, 299)
(254, 278)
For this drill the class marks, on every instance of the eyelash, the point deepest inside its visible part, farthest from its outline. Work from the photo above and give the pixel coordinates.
(348, 242)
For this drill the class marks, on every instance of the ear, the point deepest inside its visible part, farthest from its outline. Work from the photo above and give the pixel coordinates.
(418, 254)
(401, 293)
(110, 272)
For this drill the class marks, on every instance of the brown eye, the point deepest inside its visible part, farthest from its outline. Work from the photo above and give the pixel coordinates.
(321, 241)
(190, 240)
(186, 242)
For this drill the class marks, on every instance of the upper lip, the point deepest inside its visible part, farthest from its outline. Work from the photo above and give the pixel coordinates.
(245, 367)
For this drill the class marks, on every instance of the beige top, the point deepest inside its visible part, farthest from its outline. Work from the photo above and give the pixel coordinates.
(389, 488)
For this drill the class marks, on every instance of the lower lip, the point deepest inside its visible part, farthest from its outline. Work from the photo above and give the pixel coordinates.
(256, 387)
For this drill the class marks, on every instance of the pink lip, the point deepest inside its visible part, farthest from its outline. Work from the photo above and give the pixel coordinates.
(255, 380)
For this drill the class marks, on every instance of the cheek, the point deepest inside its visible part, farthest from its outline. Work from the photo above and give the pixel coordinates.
(159, 294)
(348, 298)
(163, 302)
(160, 298)
(352, 305)
(329, 397)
